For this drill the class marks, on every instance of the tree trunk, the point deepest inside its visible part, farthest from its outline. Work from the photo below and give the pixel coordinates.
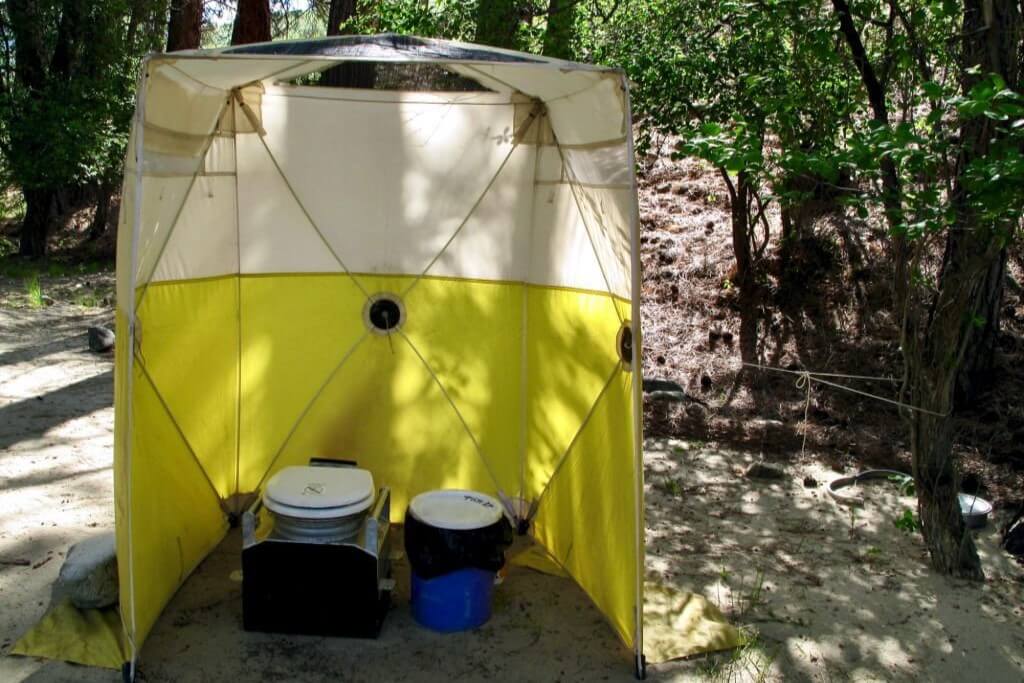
(98, 227)
(252, 22)
(347, 74)
(497, 23)
(978, 371)
(185, 25)
(561, 26)
(36, 226)
(743, 276)
(992, 39)
(738, 205)
(974, 256)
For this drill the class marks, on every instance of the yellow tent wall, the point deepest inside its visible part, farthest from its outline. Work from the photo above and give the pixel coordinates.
(258, 220)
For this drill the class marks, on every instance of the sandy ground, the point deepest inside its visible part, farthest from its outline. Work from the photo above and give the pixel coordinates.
(828, 592)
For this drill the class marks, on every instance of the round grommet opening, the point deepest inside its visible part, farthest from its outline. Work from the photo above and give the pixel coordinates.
(384, 313)
(624, 345)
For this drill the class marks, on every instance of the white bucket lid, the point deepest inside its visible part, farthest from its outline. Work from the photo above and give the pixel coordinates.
(456, 509)
(319, 492)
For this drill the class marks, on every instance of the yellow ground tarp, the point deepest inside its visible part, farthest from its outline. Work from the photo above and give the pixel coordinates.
(92, 636)
(680, 624)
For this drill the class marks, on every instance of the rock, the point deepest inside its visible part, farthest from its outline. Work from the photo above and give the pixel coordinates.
(89, 574)
(762, 470)
(663, 188)
(810, 482)
(101, 340)
(47, 300)
(694, 410)
(679, 188)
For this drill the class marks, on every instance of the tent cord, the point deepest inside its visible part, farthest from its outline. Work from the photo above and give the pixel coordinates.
(573, 185)
(458, 413)
(309, 218)
(181, 208)
(805, 378)
(181, 434)
(516, 137)
(586, 420)
(309, 406)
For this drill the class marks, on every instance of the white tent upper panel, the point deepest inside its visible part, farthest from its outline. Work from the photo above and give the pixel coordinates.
(529, 182)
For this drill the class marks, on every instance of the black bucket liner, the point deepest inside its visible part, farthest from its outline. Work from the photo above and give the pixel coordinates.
(434, 552)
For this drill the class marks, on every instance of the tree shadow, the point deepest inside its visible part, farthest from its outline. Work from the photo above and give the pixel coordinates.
(831, 591)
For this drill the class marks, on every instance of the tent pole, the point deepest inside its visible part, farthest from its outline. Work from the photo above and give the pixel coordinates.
(174, 222)
(574, 183)
(238, 312)
(140, 127)
(638, 396)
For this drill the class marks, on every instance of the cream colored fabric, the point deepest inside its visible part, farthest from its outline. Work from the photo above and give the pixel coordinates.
(375, 170)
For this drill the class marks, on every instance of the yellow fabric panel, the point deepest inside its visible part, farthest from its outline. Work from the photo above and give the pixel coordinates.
(176, 519)
(295, 331)
(121, 478)
(383, 408)
(189, 346)
(586, 518)
(470, 333)
(571, 353)
(92, 637)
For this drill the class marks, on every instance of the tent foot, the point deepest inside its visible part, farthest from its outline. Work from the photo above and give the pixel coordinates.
(641, 668)
(128, 673)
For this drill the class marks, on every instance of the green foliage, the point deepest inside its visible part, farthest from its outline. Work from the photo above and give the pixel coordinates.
(33, 291)
(907, 522)
(451, 19)
(65, 123)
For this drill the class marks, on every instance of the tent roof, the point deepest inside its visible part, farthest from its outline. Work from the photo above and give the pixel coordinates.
(390, 47)
(504, 71)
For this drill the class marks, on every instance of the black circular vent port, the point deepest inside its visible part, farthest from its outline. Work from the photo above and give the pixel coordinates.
(625, 344)
(384, 313)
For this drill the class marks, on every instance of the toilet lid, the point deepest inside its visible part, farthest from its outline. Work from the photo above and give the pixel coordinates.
(456, 509)
(319, 492)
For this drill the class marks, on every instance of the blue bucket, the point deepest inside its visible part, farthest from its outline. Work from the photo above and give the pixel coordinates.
(458, 601)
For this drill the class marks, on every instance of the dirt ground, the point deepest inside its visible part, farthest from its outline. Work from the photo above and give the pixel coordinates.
(827, 592)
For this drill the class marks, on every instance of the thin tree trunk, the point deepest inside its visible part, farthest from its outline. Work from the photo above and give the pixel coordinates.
(98, 226)
(561, 26)
(744, 280)
(252, 22)
(39, 205)
(347, 74)
(497, 23)
(978, 371)
(185, 25)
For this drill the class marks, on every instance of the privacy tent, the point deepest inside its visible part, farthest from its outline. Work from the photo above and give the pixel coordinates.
(262, 224)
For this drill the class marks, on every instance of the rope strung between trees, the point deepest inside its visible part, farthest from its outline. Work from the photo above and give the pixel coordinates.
(805, 378)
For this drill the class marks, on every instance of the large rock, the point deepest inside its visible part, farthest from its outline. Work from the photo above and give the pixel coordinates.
(762, 470)
(89, 573)
(101, 340)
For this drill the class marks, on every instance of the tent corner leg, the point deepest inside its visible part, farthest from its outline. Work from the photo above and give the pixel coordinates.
(641, 667)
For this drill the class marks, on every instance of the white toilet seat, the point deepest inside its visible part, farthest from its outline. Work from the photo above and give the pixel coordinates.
(319, 492)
